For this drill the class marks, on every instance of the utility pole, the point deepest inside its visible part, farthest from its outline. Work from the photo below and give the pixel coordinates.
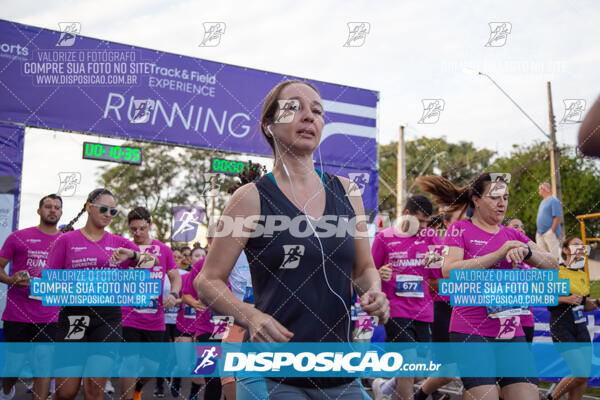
(554, 154)
(401, 174)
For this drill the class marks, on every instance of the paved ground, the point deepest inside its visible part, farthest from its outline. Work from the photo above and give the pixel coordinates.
(453, 389)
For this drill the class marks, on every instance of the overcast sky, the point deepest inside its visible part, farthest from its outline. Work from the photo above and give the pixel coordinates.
(413, 51)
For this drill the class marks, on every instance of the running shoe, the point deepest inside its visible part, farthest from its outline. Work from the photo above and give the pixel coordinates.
(159, 392)
(175, 388)
(8, 396)
(108, 388)
(376, 387)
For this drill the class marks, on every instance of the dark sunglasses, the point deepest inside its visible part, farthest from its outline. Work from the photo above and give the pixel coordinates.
(104, 209)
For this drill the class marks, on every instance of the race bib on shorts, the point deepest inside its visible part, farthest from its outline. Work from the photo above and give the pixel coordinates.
(189, 312)
(172, 311)
(151, 309)
(409, 285)
(578, 315)
(249, 293)
(506, 311)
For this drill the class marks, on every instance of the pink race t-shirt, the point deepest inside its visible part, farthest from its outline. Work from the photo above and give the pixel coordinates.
(188, 320)
(28, 249)
(476, 243)
(408, 290)
(152, 318)
(73, 250)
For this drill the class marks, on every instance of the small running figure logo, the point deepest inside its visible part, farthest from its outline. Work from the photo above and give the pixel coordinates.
(287, 111)
(77, 326)
(291, 256)
(212, 34)
(206, 362)
(508, 327)
(357, 33)
(142, 109)
(499, 32)
(574, 109)
(361, 179)
(432, 109)
(365, 324)
(68, 183)
(222, 325)
(68, 33)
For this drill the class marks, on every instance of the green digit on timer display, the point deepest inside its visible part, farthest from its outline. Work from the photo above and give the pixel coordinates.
(128, 153)
(136, 155)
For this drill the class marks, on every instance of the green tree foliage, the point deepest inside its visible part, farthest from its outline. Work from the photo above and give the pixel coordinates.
(167, 177)
(530, 165)
(458, 162)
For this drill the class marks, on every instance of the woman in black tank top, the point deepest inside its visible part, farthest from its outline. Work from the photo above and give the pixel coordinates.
(301, 281)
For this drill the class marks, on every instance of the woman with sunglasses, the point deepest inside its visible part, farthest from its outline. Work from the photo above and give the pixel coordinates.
(568, 323)
(91, 247)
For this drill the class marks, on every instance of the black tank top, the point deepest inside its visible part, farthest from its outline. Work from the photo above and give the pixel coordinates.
(287, 271)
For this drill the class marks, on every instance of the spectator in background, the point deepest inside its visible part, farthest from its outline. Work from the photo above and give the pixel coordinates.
(198, 253)
(178, 258)
(548, 221)
(186, 252)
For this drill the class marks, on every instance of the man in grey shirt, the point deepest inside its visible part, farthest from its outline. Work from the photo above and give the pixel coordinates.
(548, 221)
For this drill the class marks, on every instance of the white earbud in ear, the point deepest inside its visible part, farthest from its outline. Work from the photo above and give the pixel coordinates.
(270, 131)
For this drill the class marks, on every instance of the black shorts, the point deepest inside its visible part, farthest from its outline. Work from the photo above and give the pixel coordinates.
(135, 335)
(529, 333)
(442, 311)
(89, 324)
(469, 382)
(29, 332)
(407, 330)
(142, 358)
(171, 332)
(184, 334)
(564, 329)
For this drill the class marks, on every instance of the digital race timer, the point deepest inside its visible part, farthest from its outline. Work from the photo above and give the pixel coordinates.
(227, 167)
(107, 152)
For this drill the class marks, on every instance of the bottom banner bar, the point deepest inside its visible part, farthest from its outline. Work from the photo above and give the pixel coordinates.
(300, 359)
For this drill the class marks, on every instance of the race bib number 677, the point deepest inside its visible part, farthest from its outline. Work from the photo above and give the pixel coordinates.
(409, 285)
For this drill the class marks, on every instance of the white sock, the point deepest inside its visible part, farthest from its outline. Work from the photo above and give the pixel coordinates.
(389, 387)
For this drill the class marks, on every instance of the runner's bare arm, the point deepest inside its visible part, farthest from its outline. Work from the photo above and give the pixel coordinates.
(365, 277)
(364, 273)
(14, 279)
(541, 258)
(455, 258)
(192, 302)
(175, 279)
(4, 277)
(211, 282)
